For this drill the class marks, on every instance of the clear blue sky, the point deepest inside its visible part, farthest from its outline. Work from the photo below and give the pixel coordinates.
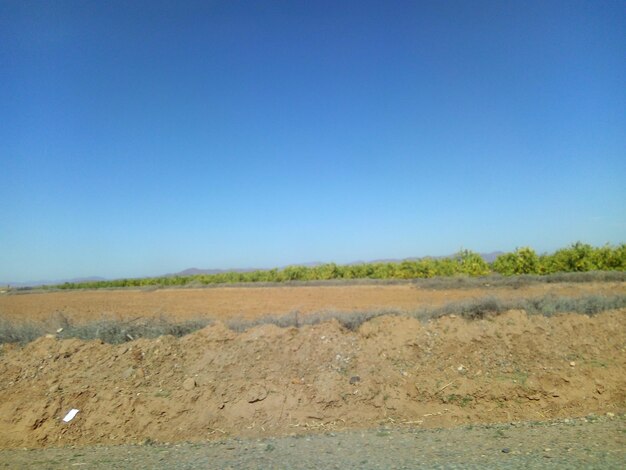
(139, 138)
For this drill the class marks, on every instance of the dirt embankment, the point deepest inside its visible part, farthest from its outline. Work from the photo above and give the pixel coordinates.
(272, 381)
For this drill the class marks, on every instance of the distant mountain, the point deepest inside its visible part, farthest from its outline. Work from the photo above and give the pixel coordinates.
(310, 264)
(488, 257)
(194, 271)
(51, 283)
(491, 257)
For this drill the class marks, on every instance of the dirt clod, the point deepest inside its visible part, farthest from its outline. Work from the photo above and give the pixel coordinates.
(189, 384)
(256, 393)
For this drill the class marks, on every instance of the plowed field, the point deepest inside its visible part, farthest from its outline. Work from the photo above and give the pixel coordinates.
(223, 303)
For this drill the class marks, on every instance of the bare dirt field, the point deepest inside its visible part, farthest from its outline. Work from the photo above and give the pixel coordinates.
(269, 381)
(222, 303)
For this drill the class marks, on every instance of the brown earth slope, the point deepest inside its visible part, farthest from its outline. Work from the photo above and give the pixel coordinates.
(272, 381)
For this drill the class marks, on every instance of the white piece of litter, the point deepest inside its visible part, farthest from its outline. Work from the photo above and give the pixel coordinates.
(70, 416)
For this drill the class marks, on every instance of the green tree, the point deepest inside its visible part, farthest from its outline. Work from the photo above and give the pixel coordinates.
(576, 258)
(522, 261)
(607, 258)
(471, 263)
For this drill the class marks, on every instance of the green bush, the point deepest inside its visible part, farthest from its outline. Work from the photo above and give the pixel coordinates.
(471, 263)
(522, 261)
(582, 257)
(610, 259)
(577, 258)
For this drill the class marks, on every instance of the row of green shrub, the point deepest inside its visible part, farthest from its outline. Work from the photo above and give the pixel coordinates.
(578, 257)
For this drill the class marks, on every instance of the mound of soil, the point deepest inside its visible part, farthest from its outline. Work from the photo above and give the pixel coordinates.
(270, 381)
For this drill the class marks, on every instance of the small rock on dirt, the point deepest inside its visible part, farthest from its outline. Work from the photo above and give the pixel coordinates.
(189, 384)
(256, 393)
(355, 379)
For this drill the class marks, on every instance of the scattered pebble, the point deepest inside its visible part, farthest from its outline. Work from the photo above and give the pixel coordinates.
(572, 364)
(506, 450)
(355, 379)
(189, 384)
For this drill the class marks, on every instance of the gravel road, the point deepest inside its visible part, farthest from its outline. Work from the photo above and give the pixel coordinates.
(590, 442)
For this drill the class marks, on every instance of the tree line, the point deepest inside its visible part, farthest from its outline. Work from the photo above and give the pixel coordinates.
(578, 257)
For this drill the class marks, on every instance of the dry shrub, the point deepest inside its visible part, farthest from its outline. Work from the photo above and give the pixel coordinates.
(118, 331)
